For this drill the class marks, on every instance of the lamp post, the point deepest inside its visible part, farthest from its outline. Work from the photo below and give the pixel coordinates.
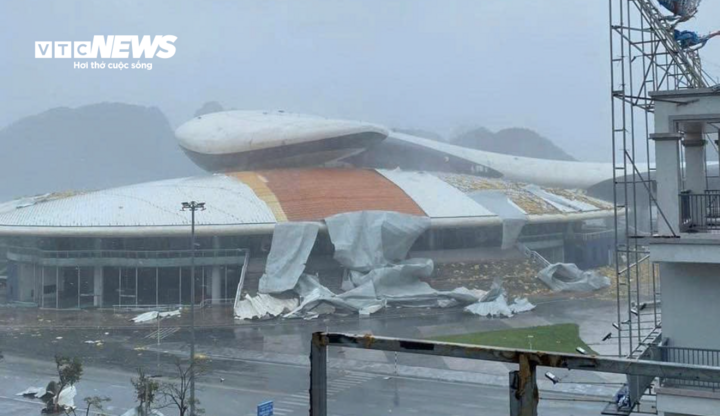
(192, 206)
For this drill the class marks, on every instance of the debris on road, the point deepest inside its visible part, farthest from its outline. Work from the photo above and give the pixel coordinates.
(153, 315)
(263, 306)
(494, 303)
(567, 277)
(34, 392)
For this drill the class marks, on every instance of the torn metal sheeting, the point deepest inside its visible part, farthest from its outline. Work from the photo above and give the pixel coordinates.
(66, 398)
(372, 246)
(513, 217)
(567, 277)
(263, 306)
(494, 303)
(292, 243)
(365, 240)
(35, 392)
(154, 315)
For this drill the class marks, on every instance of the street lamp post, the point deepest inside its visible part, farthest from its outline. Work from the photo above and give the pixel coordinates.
(192, 206)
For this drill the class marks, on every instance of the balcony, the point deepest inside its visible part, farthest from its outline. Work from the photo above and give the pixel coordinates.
(700, 213)
(691, 356)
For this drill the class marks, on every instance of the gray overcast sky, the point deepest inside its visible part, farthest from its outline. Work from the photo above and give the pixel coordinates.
(428, 64)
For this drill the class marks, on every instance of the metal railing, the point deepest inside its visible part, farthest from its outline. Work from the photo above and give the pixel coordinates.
(138, 308)
(595, 235)
(523, 384)
(700, 212)
(124, 254)
(533, 255)
(691, 356)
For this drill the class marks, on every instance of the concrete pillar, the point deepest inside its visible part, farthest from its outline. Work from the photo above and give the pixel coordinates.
(216, 278)
(216, 282)
(695, 170)
(98, 279)
(667, 175)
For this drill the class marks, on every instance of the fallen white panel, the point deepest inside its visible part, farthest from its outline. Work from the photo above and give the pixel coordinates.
(497, 307)
(514, 218)
(263, 306)
(437, 198)
(169, 314)
(145, 317)
(153, 315)
(494, 303)
(66, 398)
(568, 277)
(36, 392)
(292, 243)
(521, 305)
(365, 240)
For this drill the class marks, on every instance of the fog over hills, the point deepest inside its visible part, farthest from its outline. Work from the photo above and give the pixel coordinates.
(512, 141)
(113, 144)
(90, 147)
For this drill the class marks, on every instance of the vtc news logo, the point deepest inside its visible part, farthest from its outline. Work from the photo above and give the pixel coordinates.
(115, 47)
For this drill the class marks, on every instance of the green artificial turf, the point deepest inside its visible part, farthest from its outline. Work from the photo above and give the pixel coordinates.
(556, 338)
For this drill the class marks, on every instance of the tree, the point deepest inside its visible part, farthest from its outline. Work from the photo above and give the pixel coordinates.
(177, 393)
(94, 401)
(146, 390)
(69, 372)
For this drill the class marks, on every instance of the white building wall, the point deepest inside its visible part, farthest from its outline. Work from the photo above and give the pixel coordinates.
(691, 304)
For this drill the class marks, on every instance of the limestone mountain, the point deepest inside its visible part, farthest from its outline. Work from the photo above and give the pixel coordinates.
(89, 147)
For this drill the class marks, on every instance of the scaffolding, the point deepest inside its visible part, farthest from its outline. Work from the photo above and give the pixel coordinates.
(644, 58)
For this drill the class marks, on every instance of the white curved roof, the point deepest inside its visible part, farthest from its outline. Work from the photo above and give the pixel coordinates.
(437, 198)
(228, 201)
(253, 202)
(240, 131)
(544, 172)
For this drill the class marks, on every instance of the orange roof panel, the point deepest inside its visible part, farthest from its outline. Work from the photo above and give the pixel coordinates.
(314, 194)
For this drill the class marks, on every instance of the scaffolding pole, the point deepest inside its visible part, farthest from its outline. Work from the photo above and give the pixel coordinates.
(644, 57)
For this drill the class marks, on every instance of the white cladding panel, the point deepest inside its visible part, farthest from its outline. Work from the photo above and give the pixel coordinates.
(437, 198)
(228, 201)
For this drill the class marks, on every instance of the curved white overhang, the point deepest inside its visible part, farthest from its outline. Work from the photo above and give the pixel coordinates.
(231, 132)
(544, 172)
(266, 228)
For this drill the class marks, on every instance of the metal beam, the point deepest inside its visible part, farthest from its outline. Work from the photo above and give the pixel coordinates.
(524, 395)
(318, 375)
(537, 358)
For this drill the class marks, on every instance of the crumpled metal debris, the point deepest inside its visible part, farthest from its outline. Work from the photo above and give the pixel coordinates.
(263, 306)
(568, 277)
(34, 392)
(153, 315)
(291, 246)
(66, 398)
(373, 247)
(494, 303)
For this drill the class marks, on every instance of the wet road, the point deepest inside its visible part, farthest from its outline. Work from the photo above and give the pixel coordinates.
(237, 391)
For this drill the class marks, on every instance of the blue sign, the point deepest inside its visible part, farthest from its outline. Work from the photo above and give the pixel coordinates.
(265, 409)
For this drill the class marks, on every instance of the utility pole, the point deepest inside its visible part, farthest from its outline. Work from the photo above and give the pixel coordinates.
(192, 206)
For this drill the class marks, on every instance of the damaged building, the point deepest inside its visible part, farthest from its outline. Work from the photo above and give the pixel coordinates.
(128, 247)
